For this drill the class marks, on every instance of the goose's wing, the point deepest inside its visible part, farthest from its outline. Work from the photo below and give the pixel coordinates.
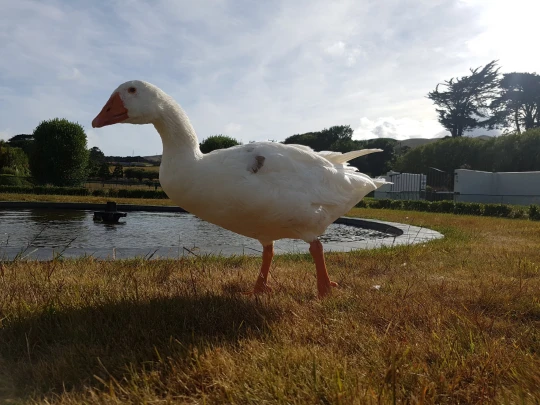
(293, 170)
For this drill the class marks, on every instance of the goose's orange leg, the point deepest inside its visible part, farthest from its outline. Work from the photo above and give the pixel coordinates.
(324, 285)
(261, 285)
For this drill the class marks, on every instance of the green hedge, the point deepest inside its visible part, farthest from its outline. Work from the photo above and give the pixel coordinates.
(122, 193)
(12, 180)
(45, 190)
(534, 212)
(458, 208)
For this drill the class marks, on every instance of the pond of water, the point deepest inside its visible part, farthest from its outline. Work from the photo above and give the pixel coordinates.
(38, 233)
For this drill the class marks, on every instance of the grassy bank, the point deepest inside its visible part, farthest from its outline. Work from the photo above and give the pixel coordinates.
(452, 321)
(83, 198)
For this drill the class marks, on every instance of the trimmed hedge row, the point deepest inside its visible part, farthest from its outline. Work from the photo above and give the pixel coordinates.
(82, 191)
(458, 208)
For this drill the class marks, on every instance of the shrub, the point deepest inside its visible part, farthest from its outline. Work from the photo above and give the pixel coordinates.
(362, 204)
(518, 213)
(442, 206)
(416, 205)
(497, 210)
(534, 212)
(380, 204)
(462, 208)
(217, 142)
(8, 171)
(44, 190)
(10, 180)
(159, 194)
(59, 154)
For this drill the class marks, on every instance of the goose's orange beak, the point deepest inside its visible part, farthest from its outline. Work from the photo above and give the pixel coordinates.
(112, 113)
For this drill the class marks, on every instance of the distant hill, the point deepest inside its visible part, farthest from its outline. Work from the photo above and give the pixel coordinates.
(153, 158)
(415, 142)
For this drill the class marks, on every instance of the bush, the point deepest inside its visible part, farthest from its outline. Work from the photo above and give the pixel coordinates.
(13, 160)
(459, 208)
(362, 204)
(497, 210)
(417, 205)
(380, 204)
(462, 208)
(534, 212)
(59, 154)
(518, 213)
(158, 194)
(45, 190)
(100, 192)
(442, 206)
(10, 180)
(217, 142)
(8, 171)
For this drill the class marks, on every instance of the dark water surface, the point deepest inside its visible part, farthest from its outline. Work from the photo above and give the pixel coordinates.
(39, 233)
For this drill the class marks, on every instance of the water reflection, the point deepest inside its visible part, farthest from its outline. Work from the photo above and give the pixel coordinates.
(59, 229)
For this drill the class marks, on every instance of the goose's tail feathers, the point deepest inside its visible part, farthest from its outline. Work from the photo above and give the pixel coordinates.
(341, 158)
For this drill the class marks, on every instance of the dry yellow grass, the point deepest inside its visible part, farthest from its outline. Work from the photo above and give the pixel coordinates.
(454, 321)
(119, 185)
(85, 199)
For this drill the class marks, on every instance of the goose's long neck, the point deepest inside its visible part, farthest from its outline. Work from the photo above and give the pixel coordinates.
(177, 133)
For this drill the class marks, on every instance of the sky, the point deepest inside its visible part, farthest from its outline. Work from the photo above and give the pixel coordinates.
(250, 69)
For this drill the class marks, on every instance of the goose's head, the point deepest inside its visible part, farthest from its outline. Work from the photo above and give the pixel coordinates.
(133, 102)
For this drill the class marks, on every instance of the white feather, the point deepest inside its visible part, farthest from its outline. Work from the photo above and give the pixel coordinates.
(262, 190)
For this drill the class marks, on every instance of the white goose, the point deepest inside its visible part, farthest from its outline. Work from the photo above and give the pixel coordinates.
(264, 190)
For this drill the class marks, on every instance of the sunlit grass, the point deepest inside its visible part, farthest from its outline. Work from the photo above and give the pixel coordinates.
(451, 321)
(83, 199)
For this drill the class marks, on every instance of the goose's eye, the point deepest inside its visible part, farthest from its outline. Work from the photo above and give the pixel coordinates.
(132, 90)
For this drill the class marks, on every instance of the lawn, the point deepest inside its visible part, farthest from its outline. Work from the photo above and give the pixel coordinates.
(451, 321)
(82, 199)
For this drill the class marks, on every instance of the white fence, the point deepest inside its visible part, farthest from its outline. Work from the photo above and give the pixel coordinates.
(405, 186)
(520, 188)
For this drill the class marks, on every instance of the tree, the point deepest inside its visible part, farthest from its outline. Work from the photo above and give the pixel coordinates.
(465, 103)
(518, 105)
(12, 160)
(378, 163)
(118, 172)
(96, 158)
(333, 138)
(310, 139)
(22, 141)
(104, 173)
(217, 142)
(129, 173)
(506, 153)
(59, 155)
(152, 175)
(139, 174)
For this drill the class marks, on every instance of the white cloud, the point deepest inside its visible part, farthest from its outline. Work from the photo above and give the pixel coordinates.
(232, 128)
(6, 134)
(260, 71)
(400, 129)
(336, 49)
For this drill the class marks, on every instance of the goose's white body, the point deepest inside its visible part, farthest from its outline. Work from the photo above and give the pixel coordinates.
(262, 190)
(296, 192)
